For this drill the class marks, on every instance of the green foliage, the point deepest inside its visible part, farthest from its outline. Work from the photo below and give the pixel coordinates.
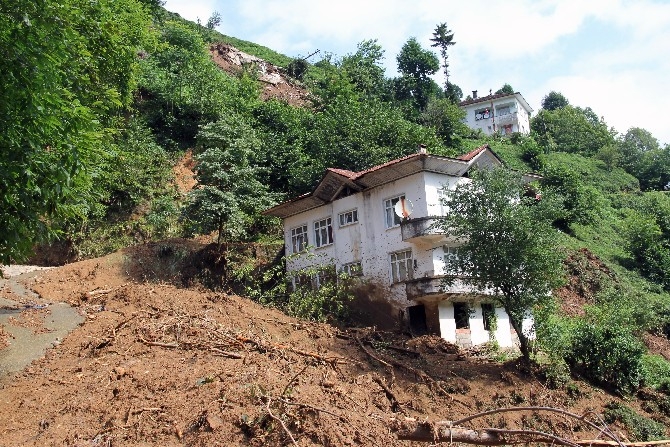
(297, 68)
(509, 249)
(182, 88)
(66, 70)
(416, 65)
(443, 38)
(642, 156)
(134, 171)
(229, 196)
(571, 129)
(214, 20)
(554, 100)
(582, 203)
(365, 71)
(314, 293)
(641, 428)
(656, 370)
(506, 89)
(447, 120)
(607, 354)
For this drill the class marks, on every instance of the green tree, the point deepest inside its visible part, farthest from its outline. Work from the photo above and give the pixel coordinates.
(571, 129)
(214, 20)
(506, 89)
(554, 100)
(447, 119)
(509, 248)
(416, 65)
(643, 157)
(67, 70)
(443, 38)
(229, 197)
(364, 69)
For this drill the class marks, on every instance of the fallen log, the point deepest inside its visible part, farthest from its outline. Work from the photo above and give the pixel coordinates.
(413, 430)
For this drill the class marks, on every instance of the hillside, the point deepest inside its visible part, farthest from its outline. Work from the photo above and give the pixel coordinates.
(146, 137)
(159, 363)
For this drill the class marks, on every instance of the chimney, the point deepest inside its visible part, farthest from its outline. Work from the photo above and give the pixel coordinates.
(474, 94)
(422, 149)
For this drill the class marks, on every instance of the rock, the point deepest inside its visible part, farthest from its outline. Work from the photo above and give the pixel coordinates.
(214, 422)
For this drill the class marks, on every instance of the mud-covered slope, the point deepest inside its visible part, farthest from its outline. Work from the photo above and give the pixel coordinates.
(155, 363)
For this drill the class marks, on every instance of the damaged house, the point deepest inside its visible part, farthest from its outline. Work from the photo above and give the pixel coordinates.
(378, 224)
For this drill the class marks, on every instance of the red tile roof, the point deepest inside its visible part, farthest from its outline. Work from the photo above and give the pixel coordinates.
(472, 154)
(343, 172)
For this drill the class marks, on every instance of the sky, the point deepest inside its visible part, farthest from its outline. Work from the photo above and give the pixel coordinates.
(610, 55)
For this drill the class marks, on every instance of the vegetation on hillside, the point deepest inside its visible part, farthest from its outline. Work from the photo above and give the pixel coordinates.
(97, 106)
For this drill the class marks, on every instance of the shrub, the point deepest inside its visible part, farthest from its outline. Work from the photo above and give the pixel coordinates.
(608, 355)
(656, 371)
(640, 427)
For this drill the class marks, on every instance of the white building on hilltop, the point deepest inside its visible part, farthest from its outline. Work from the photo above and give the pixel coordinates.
(501, 113)
(350, 221)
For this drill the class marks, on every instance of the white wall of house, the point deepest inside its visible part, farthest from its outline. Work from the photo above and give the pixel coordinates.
(502, 112)
(369, 241)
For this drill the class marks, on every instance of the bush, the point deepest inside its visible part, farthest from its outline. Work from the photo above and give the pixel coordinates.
(640, 428)
(608, 355)
(656, 371)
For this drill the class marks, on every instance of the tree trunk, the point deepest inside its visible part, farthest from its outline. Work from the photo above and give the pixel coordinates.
(524, 344)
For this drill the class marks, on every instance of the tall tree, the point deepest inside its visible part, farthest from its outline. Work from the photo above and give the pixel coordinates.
(509, 248)
(364, 69)
(443, 38)
(416, 65)
(229, 196)
(554, 100)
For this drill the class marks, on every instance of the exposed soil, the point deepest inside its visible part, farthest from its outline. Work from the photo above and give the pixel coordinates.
(276, 84)
(158, 363)
(587, 275)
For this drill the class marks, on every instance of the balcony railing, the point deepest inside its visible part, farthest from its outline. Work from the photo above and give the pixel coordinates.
(433, 287)
(510, 118)
(422, 229)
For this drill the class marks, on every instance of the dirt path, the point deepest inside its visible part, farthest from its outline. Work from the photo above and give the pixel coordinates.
(29, 324)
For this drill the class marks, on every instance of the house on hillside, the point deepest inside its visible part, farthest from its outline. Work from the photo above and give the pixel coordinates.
(502, 113)
(377, 224)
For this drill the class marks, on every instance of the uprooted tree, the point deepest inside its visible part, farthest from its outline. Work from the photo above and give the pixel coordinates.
(509, 248)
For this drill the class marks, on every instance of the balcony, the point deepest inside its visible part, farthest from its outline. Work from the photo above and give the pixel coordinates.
(422, 229)
(432, 287)
(510, 118)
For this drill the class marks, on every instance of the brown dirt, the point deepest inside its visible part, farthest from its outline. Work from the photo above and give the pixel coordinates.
(275, 83)
(5, 337)
(156, 363)
(587, 275)
(184, 174)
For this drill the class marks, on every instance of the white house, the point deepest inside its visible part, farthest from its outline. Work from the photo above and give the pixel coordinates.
(502, 113)
(350, 221)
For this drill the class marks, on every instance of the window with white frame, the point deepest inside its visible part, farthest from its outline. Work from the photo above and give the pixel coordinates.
(299, 239)
(402, 267)
(323, 276)
(450, 258)
(441, 197)
(353, 269)
(391, 219)
(323, 232)
(348, 217)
